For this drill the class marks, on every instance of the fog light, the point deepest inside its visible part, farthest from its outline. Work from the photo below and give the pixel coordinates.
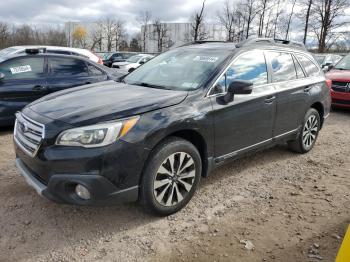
(82, 192)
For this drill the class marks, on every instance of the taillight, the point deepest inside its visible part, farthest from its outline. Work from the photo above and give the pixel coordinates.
(329, 83)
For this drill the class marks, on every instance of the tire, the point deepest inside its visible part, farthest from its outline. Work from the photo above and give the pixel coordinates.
(171, 177)
(308, 134)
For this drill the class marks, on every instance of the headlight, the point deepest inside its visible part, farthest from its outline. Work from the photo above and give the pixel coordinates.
(96, 135)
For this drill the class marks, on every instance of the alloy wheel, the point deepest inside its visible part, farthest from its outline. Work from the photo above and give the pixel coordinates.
(174, 179)
(310, 131)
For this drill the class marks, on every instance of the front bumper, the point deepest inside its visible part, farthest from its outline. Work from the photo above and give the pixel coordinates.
(340, 99)
(61, 188)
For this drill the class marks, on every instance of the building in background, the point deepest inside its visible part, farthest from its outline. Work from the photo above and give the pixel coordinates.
(163, 36)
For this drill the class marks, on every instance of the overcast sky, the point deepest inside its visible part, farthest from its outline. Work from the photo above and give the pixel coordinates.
(60, 11)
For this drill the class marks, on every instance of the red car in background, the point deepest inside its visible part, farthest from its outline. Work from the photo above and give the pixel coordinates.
(340, 76)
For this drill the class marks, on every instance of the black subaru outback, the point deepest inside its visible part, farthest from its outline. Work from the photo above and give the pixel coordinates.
(154, 135)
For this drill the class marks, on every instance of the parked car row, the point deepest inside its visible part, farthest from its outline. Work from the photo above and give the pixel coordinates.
(154, 134)
(31, 74)
(340, 76)
(131, 63)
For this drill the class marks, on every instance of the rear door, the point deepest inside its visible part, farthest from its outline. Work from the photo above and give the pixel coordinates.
(246, 122)
(24, 81)
(66, 72)
(292, 91)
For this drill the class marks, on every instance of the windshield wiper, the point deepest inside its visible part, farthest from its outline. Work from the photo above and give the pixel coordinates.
(151, 85)
(339, 68)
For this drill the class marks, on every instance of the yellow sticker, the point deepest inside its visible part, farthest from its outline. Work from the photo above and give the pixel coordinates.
(344, 251)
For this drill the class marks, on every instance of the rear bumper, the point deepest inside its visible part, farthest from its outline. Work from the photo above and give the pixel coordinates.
(61, 188)
(340, 99)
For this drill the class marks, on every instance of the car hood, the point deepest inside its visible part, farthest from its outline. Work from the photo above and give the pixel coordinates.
(104, 101)
(341, 75)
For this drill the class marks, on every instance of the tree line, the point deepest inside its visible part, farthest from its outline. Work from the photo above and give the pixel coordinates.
(319, 23)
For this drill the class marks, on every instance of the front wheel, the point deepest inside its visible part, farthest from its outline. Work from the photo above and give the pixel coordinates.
(308, 134)
(171, 176)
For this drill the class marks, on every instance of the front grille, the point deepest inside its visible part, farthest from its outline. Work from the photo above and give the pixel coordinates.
(343, 87)
(28, 134)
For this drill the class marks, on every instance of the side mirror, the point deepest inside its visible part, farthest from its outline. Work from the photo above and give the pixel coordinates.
(142, 62)
(238, 87)
(2, 76)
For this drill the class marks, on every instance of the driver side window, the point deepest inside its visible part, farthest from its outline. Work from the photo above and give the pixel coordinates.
(250, 66)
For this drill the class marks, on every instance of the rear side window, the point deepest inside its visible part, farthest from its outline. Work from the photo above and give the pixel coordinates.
(23, 68)
(310, 68)
(67, 67)
(283, 68)
(94, 71)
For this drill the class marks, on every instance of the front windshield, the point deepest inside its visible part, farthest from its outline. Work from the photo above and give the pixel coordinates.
(7, 51)
(320, 58)
(343, 64)
(134, 59)
(179, 69)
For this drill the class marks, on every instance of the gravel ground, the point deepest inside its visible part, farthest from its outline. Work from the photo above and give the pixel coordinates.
(271, 206)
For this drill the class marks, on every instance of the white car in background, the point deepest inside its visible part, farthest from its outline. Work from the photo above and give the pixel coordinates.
(131, 63)
(52, 49)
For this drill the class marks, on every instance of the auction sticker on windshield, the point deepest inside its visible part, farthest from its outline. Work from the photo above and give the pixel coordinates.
(20, 69)
(208, 59)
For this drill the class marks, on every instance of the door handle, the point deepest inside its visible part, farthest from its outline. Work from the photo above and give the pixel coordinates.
(270, 99)
(307, 89)
(87, 83)
(39, 88)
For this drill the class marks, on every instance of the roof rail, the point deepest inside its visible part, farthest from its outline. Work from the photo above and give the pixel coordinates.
(34, 51)
(198, 42)
(257, 41)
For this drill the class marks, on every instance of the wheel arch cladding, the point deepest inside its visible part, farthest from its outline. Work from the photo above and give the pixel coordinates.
(319, 107)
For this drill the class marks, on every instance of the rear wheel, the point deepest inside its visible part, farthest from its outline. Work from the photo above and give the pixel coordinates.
(171, 176)
(309, 132)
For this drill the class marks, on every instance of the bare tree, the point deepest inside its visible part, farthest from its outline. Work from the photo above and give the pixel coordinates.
(327, 14)
(308, 4)
(198, 31)
(97, 36)
(264, 7)
(144, 20)
(278, 13)
(227, 19)
(290, 19)
(249, 12)
(4, 35)
(119, 34)
(108, 28)
(160, 34)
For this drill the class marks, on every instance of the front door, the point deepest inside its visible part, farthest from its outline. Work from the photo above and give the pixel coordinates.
(247, 121)
(24, 81)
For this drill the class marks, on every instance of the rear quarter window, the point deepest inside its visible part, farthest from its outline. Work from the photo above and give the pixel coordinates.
(310, 68)
(282, 66)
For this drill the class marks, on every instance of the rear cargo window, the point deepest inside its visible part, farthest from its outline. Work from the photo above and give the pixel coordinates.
(310, 68)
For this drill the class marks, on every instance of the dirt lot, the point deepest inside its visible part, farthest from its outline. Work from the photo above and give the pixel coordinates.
(290, 207)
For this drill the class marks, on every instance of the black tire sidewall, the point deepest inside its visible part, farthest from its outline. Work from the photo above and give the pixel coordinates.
(158, 155)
